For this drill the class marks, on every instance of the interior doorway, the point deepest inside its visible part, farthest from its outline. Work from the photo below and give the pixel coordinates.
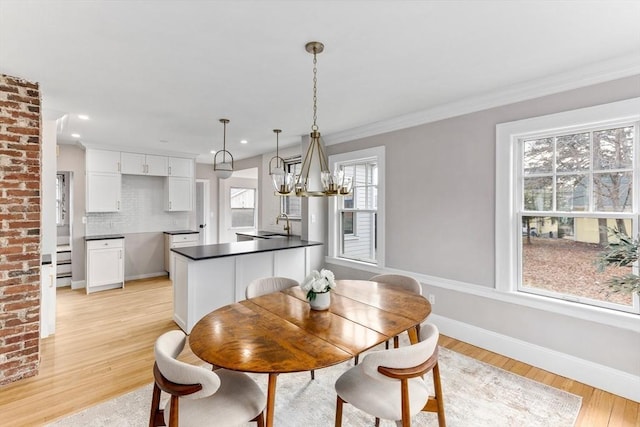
(203, 211)
(238, 205)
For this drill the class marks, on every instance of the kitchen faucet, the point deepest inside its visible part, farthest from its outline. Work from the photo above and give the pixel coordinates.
(287, 226)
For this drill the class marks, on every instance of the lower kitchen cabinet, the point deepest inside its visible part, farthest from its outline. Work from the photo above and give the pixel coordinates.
(105, 263)
(177, 239)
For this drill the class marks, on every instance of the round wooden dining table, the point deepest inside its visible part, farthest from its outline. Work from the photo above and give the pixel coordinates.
(278, 332)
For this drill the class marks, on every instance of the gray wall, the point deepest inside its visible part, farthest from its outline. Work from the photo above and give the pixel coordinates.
(440, 210)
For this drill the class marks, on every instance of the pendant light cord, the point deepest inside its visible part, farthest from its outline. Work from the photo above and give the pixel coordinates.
(314, 127)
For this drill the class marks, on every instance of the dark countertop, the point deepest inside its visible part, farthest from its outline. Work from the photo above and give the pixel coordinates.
(172, 233)
(220, 250)
(104, 237)
(264, 234)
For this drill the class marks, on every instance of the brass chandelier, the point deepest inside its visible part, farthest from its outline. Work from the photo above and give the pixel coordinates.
(327, 184)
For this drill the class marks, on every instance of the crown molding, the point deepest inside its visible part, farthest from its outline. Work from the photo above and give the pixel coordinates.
(592, 74)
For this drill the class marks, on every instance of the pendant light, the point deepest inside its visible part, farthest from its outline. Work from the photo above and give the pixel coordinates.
(223, 169)
(282, 180)
(327, 183)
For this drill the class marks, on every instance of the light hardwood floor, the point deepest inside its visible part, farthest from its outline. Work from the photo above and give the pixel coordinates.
(103, 347)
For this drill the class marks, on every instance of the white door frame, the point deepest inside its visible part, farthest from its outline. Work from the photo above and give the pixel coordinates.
(205, 234)
(243, 178)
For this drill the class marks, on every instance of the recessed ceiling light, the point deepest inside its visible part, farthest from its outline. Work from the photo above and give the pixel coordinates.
(244, 141)
(83, 117)
(213, 151)
(164, 141)
(75, 135)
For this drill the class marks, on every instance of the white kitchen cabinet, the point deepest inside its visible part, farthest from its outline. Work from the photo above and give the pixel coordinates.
(103, 192)
(105, 264)
(102, 161)
(177, 241)
(144, 164)
(179, 166)
(178, 194)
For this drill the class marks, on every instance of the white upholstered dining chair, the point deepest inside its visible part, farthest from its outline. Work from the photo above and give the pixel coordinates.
(405, 282)
(200, 396)
(389, 384)
(267, 285)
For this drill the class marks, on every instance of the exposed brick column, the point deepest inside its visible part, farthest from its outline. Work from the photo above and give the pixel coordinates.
(19, 228)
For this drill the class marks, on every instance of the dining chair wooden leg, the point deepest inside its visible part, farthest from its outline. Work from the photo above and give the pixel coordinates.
(404, 392)
(156, 413)
(355, 359)
(259, 419)
(436, 403)
(396, 342)
(439, 398)
(174, 415)
(313, 374)
(386, 345)
(339, 403)
(377, 424)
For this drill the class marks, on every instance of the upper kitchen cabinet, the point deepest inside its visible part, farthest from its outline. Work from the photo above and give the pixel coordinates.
(104, 192)
(179, 166)
(102, 161)
(144, 164)
(178, 194)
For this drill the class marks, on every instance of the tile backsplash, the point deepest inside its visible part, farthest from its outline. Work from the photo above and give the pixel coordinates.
(142, 210)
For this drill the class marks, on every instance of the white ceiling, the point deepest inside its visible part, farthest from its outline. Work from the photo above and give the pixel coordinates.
(157, 75)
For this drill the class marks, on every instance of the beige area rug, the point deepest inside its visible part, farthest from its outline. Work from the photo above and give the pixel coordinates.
(476, 395)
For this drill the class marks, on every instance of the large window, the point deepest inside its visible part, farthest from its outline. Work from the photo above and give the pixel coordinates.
(243, 207)
(574, 179)
(355, 219)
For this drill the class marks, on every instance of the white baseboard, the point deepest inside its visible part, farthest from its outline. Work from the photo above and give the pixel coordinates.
(590, 373)
(146, 276)
(79, 284)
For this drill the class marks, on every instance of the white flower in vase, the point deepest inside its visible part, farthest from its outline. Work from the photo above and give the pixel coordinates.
(318, 282)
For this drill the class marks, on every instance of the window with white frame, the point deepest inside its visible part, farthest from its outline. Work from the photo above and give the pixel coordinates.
(354, 220)
(243, 207)
(564, 182)
(60, 200)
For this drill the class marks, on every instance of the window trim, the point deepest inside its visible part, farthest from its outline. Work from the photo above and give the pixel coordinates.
(333, 248)
(61, 184)
(255, 209)
(288, 162)
(507, 136)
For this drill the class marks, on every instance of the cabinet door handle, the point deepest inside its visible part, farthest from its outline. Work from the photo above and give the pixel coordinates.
(120, 254)
(118, 204)
(169, 170)
(169, 205)
(51, 280)
(119, 167)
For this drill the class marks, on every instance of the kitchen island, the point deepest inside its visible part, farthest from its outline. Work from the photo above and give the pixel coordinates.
(208, 277)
